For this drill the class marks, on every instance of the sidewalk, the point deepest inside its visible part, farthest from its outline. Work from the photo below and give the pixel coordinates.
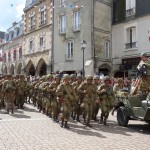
(30, 130)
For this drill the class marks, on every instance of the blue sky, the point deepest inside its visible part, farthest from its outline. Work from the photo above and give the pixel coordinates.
(10, 11)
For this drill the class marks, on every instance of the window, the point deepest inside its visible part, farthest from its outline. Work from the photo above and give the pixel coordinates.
(63, 24)
(42, 17)
(41, 42)
(77, 21)
(31, 45)
(130, 7)
(69, 53)
(20, 52)
(131, 37)
(14, 55)
(9, 56)
(106, 49)
(4, 57)
(32, 22)
(63, 3)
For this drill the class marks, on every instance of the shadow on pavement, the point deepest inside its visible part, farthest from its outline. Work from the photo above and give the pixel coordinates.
(20, 116)
(83, 130)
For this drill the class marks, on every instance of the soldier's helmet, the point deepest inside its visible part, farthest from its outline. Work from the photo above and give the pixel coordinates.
(9, 75)
(119, 80)
(66, 76)
(21, 76)
(89, 77)
(106, 78)
(72, 76)
(49, 76)
(79, 77)
(144, 55)
(96, 77)
(57, 76)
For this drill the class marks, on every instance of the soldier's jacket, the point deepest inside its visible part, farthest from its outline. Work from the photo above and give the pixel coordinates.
(8, 86)
(108, 97)
(90, 95)
(21, 87)
(147, 63)
(67, 92)
(75, 86)
(52, 89)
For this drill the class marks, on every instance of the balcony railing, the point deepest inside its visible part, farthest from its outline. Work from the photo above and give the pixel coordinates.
(130, 12)
(131, 45)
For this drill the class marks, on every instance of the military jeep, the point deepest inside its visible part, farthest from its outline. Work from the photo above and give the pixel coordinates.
(132, 107)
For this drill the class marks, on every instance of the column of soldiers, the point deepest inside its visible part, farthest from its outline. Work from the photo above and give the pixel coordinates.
(72, 96)
(60, 97)
(12, 92)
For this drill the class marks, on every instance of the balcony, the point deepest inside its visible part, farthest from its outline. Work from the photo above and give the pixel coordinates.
(130, 12)
(131, 45)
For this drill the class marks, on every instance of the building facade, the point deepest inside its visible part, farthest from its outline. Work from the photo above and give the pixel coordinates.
(11, 48)
(130, 35)
(38, 37)
(78, 20)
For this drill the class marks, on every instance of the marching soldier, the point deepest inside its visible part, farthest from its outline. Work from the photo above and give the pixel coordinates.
(9, 92)
(54, 101)
(96, 82)
(67, 95)
(21, 88)
(87, 88)
(77, 108)
(107, 98)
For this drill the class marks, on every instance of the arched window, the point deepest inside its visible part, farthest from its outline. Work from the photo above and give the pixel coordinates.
(107, 49)
(4, 57)
(9, 56)
(20, 53)
(14, 55)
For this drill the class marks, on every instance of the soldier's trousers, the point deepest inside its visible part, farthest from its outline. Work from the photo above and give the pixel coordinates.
(9, 99)
(88, 110)
(66, 111)
(55, 108)
(20, 100)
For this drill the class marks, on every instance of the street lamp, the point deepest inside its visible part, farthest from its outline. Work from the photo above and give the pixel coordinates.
(83, 46)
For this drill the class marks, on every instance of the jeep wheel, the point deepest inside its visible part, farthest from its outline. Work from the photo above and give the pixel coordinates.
(121, 117)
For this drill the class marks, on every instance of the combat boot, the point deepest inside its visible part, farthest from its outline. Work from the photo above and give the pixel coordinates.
(66, 125)
(62, 122)
(101, 119)
(88, 123)
(78, 120)
(12, 111)
(7, 112)
(105, 122)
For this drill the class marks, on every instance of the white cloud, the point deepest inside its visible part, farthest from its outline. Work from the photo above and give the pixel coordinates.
(19, 9)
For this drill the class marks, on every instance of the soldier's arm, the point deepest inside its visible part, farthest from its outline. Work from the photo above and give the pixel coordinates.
(80, 89)
(59, 90)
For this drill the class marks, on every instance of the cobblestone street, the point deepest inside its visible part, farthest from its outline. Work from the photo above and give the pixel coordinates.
(30, 130)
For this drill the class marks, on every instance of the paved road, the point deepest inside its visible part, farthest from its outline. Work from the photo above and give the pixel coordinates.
(30, 130)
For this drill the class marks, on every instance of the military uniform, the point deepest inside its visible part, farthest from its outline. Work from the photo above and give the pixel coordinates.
(107, 98)
(77, 109)
(66, 92)
(87, 88)
(21, 88)
(9, 92)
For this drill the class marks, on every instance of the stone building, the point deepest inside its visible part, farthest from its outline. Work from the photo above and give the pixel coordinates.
(37, 34)
(12, 50)
(78, 20)
(131, 35)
